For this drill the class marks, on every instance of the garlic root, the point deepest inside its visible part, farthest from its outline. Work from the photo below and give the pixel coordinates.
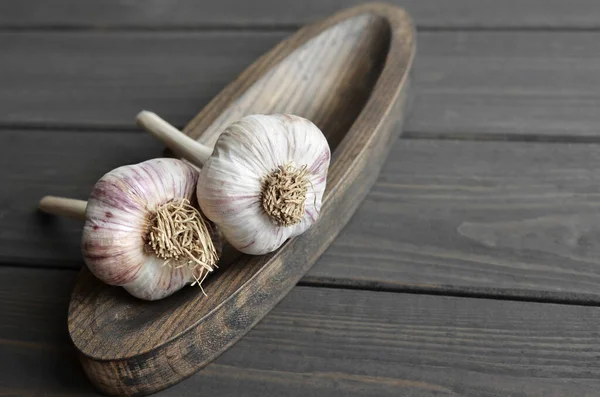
(70, 208)
(191, 150)
(283, 194)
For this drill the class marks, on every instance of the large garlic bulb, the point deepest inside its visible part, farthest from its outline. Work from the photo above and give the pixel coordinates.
(143, 230)
(264, 181)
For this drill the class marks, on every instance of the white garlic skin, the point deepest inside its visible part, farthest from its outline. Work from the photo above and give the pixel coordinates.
(229, 186)
(117, 219)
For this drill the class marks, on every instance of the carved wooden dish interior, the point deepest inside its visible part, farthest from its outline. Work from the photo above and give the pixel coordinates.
(349, 75)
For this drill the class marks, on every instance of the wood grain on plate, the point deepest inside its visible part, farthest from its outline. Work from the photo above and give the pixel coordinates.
(516, 219)
(531, 85)
(274, 13)
(322, 341)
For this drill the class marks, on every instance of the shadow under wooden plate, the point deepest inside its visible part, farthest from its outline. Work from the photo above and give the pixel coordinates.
(349, 74)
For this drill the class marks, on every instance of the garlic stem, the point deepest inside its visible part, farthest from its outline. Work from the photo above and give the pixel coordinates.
(186, 147)
(62, 206)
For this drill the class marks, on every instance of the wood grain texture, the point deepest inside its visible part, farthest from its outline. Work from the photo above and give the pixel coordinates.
(333, 342)
(131, 347)
(502, 219)
(519, 85)
(273, 13)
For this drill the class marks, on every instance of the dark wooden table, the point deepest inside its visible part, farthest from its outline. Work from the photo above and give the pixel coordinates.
(473, 266)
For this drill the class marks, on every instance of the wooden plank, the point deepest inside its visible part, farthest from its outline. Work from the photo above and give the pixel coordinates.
(104, 79)
(333, 342)
(533, 85)
(273, 13)
(516, 219)
(468, 84)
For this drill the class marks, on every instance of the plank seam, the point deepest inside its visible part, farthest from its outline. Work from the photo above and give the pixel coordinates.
(283, 28)
(500, 137)
(569, 299)
(408, 134)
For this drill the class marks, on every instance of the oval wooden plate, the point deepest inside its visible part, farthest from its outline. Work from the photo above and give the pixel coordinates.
(349, 74)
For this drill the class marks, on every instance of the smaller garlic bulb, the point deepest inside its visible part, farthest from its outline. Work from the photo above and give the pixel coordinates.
(143, 230)
(264, 181)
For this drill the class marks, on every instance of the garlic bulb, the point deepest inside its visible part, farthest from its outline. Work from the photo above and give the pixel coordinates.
(142, 231)
(264, 181)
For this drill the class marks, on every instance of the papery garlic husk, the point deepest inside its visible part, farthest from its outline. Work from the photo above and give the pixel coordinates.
(247, 156)
(120, 215)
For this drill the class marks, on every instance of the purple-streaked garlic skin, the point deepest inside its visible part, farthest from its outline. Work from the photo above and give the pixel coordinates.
(118, 217)
(229, 186)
